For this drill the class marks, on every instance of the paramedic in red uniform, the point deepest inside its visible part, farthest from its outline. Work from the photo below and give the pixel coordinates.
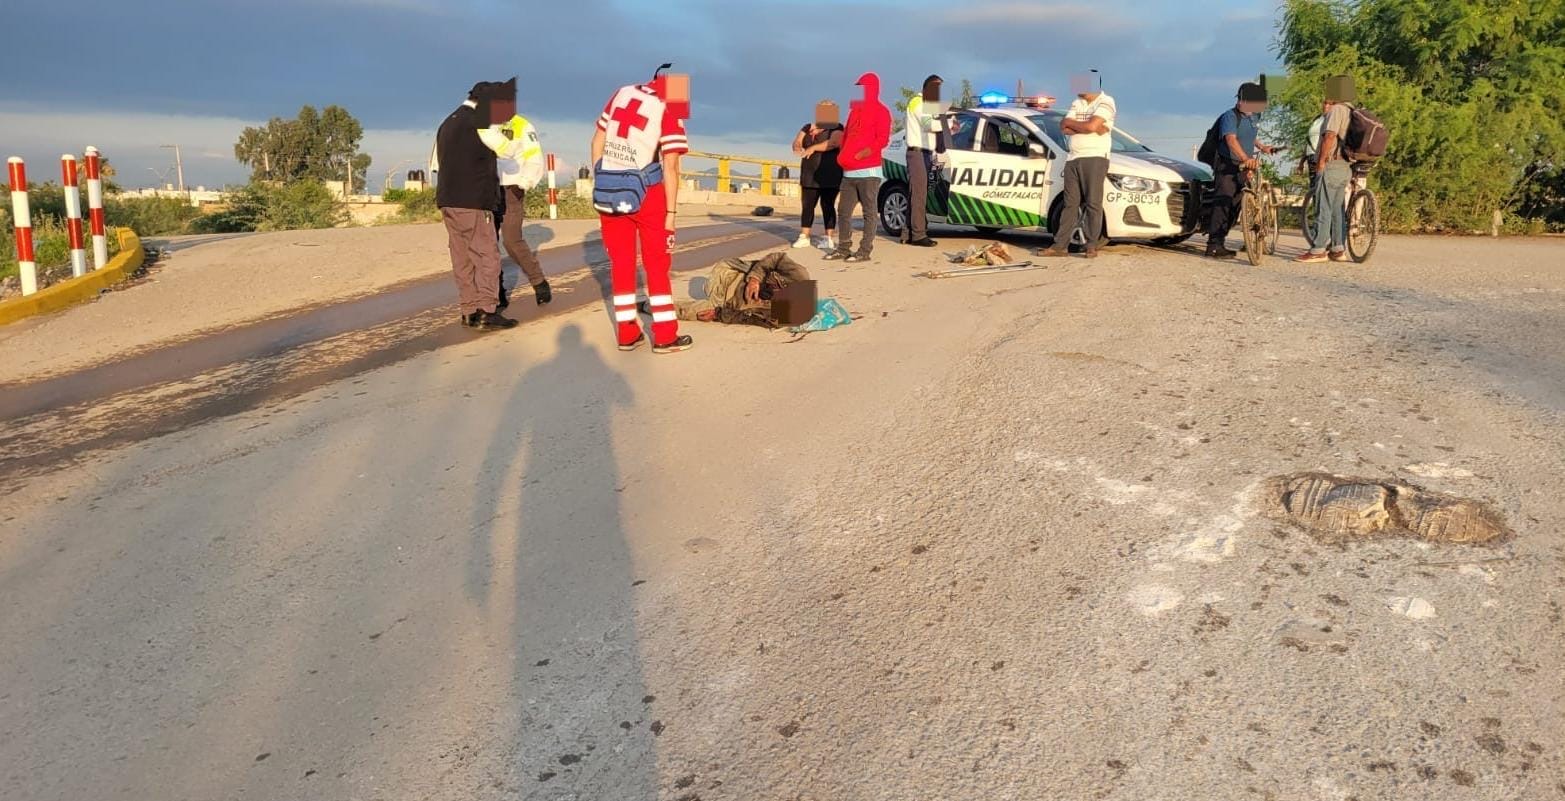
(641, 129)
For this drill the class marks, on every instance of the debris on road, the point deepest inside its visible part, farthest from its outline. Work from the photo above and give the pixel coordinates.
(1337, 508)
(987, 270)
(992, 254)
(1413, 608)
(828, 315)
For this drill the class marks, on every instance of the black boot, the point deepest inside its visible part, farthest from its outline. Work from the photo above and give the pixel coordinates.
(492, 321)
(542, 293)
(472, 320)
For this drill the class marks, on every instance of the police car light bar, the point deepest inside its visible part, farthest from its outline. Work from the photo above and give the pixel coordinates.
(995, 99)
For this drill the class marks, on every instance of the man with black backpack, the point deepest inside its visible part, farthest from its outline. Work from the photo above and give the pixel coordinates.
(1328, 232)
(1230, 149)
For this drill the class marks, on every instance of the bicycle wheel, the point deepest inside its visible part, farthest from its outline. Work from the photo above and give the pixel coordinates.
(1272, 202)
(1363, 225)
(1250, 222)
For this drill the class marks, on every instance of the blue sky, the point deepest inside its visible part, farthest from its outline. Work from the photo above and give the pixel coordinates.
(194, 72)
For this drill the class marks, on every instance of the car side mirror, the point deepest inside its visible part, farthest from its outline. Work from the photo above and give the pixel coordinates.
(1036, 151)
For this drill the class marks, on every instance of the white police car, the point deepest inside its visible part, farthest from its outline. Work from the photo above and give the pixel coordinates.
(1004, 162)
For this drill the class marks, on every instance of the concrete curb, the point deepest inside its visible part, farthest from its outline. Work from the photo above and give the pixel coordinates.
(78, 290)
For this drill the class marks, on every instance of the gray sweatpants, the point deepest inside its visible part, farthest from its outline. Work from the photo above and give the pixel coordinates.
(1083, 181)
(475, 258)
(864, 192)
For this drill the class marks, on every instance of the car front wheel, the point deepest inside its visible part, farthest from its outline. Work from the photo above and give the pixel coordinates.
(1056, 211)
(894, 205)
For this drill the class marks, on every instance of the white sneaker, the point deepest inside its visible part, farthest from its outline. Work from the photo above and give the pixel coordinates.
(802, 242)
(825, 243)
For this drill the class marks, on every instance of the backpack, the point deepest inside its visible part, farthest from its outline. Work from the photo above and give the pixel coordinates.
(1207, 154)
(1367, 136)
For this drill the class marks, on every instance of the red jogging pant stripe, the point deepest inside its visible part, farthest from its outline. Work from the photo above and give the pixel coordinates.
(621, 234)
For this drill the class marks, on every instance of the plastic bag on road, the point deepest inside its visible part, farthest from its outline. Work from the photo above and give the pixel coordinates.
(828, 315)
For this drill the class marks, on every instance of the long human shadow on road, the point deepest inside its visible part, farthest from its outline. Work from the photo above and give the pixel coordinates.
(583, 726)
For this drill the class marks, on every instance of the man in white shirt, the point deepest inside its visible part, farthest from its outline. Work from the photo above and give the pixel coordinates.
(1089, 124)
(522, 167)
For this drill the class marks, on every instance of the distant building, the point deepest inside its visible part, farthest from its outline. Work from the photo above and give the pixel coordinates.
(195, 197)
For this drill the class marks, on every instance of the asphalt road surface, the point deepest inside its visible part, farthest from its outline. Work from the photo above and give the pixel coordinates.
(1006, 537)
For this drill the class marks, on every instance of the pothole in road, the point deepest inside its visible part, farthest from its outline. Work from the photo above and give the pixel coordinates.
(1338, 508)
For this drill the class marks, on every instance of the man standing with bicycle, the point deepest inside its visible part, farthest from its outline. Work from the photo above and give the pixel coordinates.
(1329, 229)
(1234, 162)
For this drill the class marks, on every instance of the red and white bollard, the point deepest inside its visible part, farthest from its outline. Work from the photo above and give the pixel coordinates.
(554, 193)
(100, 239)
(17, 171)
(73, 215)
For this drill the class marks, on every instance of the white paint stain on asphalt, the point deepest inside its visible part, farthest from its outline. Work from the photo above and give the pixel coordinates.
(1153, 600)
(1413, 608)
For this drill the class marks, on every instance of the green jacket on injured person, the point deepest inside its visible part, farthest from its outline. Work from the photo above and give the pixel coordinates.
(741, 290)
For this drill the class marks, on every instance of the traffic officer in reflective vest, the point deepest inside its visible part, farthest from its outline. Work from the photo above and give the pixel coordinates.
(522, 167)
(922, 127)
(636, 150)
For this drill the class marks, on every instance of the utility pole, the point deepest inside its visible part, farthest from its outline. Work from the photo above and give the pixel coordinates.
(386, 184)
(179, 166)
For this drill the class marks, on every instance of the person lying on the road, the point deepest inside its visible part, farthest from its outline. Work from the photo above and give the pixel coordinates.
(741, 290)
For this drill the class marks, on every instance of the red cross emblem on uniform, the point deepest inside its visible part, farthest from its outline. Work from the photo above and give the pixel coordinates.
(629, 117)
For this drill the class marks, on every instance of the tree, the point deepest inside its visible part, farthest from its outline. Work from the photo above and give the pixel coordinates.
(1543, 200)
(275, 206)
(302, 204)
(899, 119)
(967, 99)
(105, 171)
(320, 145)
(1472, 90)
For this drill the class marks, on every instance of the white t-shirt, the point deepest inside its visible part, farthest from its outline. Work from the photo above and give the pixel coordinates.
(637, 131)
(1312, 140)
(1092, 145)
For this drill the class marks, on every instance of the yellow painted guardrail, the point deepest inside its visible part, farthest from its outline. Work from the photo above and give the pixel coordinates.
(725, 162)
(78, 290)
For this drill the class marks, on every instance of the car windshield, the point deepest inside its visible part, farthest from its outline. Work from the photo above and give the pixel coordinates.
(1049, 123)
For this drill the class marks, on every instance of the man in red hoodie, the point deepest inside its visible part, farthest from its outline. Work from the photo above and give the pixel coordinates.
(866, 134)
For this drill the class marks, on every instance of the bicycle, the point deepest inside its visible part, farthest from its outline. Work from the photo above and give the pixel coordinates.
(1363, 215)
(1258, 217)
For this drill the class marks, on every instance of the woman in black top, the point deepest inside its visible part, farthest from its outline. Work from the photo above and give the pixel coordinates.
(820, 177)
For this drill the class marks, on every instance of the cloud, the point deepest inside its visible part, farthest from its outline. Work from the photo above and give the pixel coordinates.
(197, 73)
(1057, 17)
(1227, 83)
